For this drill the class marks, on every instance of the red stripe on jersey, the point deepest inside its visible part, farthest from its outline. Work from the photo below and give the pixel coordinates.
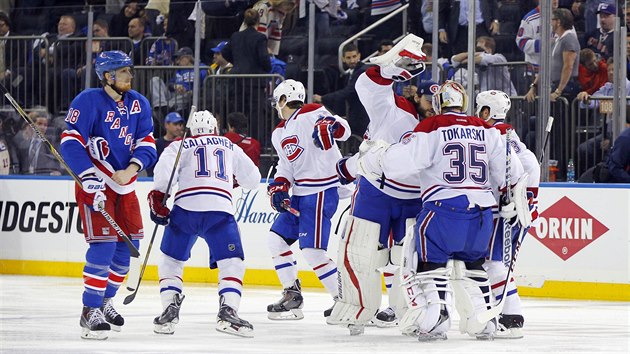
(374, 73)
(287, 253)
(405, 105)
(317, 179)
(148, 139)
(101, 167)
(204, 187)
(503, 127)
(448, 120)
(310, 107)
(236, 280)
(67, 134)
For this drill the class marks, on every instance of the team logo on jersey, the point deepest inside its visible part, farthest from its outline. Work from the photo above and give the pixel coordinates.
(122, 109)
(135, 107)
(566, 229)
(291, 148)
(406, 137)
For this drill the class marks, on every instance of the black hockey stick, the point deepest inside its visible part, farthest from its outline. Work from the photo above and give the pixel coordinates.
(132, 296)
(132, 249)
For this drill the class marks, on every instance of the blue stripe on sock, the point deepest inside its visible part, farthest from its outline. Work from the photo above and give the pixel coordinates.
(178, 290)
(334, 271)
(284, 265)
(229, 290)
(389, 286)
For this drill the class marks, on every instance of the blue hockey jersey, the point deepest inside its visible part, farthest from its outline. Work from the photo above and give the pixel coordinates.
(126, 126)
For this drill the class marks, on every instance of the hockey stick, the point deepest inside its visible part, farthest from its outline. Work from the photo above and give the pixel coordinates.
(547, 133)
(132, 249)
(284, 206)
(507, 226)
(132, 296)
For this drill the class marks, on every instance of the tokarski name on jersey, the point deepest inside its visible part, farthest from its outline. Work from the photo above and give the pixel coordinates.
(463, 133)
(208, 140)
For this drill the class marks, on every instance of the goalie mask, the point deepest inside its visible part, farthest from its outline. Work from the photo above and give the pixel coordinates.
(450, 94)
(497, 101)
(203, 122)
(292, 90)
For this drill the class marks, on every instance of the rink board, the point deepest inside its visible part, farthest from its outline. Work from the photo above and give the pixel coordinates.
(579, 249)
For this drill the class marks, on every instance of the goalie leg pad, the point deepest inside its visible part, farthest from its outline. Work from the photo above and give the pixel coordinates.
(472, 296)
(360, 289)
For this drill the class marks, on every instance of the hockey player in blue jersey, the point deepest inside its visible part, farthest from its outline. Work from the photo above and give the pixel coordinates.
(108, 140)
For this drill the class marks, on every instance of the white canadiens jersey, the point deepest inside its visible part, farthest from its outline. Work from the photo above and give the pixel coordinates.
(308, 168)
(392, 119)
(453, 154)
(205, 173)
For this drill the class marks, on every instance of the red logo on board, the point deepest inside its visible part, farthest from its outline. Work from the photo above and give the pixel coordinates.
(565, 228)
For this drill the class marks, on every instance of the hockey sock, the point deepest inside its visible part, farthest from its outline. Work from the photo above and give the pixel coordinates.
(497, 273)
(388, 276)
(170, 272)
(96, 272)
(118, 268)
(324, 267)
(283, 260)
(231, 273)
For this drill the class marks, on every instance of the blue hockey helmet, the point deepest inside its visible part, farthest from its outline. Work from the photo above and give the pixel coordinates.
(110, 61)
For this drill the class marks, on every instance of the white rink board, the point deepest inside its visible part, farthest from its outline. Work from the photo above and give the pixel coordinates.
(46, 229)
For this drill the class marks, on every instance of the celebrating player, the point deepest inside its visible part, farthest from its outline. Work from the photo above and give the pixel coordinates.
(493, 106)
(207, 170)
(108, 140)
(458, 159)
(304, 131)
(381, 206)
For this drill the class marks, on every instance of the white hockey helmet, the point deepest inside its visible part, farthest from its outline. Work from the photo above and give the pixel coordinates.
(497, 101)
(450, 94)
(203, 122)
(291, 89)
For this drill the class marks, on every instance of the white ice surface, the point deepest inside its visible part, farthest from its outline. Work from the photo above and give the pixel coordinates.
(41, 315)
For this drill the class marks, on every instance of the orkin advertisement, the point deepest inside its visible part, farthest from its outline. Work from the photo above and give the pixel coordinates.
(583, 234)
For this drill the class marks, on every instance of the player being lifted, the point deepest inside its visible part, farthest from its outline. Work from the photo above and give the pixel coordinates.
(108, 140)
(381, 206)
(493, 106)
(207, 169)
(459, 160)
(304, 131)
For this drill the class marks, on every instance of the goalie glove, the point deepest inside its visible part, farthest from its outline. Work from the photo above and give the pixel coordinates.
(93, 188)
(403, 61)
(520, 204)
(371, 152)
(159, 212)
(325, 131)
(279, 196)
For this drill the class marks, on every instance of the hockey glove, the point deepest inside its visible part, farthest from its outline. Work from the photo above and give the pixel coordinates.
(404, 68)
(159, 211)
(342, 172)
(93, 188)
(98, 148)
(325, 131)
(279, 196)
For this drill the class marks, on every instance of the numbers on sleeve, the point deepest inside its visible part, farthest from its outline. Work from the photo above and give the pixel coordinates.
(468, 163)
(203, 164)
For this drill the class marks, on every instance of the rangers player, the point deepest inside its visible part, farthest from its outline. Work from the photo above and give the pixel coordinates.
(208, 167)
(304, 131)
(108, 140)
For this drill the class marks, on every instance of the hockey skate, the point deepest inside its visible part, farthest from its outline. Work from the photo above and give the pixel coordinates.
(93, 324)
(438, 332)
(510, 327)
(165, 323)
(290, 306)
(115, 320)
(385, 319)
(488, 332)
(229, 322)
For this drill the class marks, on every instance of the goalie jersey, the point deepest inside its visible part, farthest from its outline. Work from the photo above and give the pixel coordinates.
(127, 129)
(392, 119)
(303, 165)
(206, 172)
(453, 154)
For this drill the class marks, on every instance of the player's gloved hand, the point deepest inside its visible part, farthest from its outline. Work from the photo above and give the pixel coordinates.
(93, 188)
(159, 211)
(404, 68)
(508, 211)
(345, 177)
(98, 148)
(325, 131)
(279, 195)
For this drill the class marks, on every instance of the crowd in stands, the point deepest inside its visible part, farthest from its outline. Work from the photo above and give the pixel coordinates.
(270, 36)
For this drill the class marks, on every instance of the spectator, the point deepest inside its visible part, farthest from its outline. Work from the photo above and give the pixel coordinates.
(385, 46)
(136, 33)
(237, 133)
(7, 157)
(453, 20)
(178, 96)
(180, 27)
(492, 74)
(336, 101)
(589, 8)
(174, 127)
(528, 37)
(35, 156)
(219, 64)
(154, 12)
(601, 40)
(619, 159)
(272, 14)
(593, 72)
(247, 49)
(421, 18)
(162, 50)
(120, 23)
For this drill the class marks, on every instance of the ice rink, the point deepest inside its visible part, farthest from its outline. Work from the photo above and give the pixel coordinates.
(41, 315)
